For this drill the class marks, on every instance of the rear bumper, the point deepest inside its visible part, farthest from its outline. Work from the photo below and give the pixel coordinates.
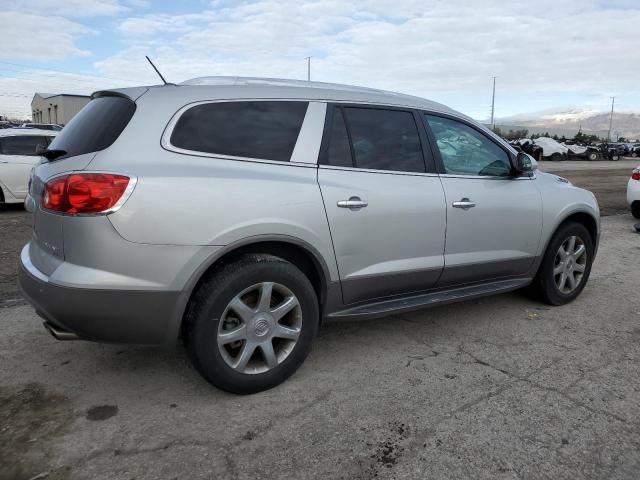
(109, 315)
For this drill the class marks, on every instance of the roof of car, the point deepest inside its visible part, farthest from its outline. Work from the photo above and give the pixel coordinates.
(12, 132)
(224, 87)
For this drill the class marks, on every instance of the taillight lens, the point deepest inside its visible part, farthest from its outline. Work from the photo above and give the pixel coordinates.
(636, 174)
(84, 192)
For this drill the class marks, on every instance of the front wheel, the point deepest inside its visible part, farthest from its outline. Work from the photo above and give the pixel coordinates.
(566, 265)
(251, 323)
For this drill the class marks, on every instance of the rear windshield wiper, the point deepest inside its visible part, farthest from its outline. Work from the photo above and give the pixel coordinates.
(53, 154)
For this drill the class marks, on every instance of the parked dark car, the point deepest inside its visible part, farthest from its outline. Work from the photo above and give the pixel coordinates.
(43, 126)
(611, 151)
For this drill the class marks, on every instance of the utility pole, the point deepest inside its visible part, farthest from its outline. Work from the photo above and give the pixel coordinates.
(308, 68)
(493, 103)
(613, 99)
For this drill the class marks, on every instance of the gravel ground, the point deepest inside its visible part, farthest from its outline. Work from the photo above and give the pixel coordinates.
(501, 387)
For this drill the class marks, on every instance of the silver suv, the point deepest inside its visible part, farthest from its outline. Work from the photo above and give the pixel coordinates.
(237, 213)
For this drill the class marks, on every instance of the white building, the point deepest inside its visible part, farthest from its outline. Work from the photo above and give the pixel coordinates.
(56, 108)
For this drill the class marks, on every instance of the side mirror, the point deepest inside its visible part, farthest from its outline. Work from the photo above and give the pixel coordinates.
(525, 163)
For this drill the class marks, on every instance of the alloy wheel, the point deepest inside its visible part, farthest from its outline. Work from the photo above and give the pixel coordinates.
(259, 328)
(570, 264)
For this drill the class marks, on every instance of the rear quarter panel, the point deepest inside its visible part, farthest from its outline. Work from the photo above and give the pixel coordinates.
(184, 199)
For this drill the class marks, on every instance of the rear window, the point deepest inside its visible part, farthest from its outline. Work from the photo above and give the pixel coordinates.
(23, 144)
(95, 127)
(253, 129)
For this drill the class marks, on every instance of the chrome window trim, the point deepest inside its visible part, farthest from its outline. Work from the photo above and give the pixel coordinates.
(370, 170)
(305, 135)
(485, 177)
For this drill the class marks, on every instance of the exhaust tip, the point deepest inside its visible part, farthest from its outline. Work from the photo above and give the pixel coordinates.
(60, 334)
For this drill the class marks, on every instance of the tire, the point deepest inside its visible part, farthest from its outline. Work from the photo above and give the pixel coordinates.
(210, 312)
(556, 157)
(634, 154)
(635, 209)
(545, 284)
(615, 157)
(592, 156)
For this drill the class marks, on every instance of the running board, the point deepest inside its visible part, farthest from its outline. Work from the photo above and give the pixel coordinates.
(425, 300)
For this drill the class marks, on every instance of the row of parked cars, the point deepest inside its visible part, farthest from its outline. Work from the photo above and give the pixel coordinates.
(545, 148)
(4, 124)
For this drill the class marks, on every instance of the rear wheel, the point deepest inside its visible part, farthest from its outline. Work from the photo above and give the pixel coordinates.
(592, 156)
(556, 157)
(566, 265)
(635, 209)
(250, 325)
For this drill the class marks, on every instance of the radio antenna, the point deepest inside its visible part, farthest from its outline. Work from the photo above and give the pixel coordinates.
(157, 71)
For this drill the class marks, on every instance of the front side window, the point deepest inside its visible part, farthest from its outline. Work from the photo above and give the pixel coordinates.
(465, 151)
(23, 144)
(385, 139)
(265, 130)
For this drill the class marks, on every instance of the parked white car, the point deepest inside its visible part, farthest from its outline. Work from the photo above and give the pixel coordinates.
(18, 155)
(633, 192)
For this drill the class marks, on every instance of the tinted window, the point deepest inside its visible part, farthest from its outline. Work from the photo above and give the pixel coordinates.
(22, 145)
(385, 139)
(95, 127)
(465, 151)
(258, 129)
(339, 152)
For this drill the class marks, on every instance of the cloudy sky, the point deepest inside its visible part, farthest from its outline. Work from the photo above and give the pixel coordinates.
(547, 54)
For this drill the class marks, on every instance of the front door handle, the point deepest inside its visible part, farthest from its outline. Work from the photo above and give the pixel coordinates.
(464, 204)
(354, 203)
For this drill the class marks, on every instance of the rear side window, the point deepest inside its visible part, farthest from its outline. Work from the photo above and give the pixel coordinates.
(252, 129)
(385, 139)
(95, 127)
(23, 144)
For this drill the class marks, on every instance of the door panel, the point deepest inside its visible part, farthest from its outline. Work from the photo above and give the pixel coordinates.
(497, 237)
(494, 221)
(393, 245)
(15, 171)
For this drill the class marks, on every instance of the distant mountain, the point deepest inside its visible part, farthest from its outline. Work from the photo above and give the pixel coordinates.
(568, 121)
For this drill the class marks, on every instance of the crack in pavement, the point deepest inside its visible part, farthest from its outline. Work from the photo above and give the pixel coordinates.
(195, 442)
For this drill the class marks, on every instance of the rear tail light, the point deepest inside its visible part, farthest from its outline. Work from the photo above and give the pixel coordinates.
(636, 174)
(85, 192)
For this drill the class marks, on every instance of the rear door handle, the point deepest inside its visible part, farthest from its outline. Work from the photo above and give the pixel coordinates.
(354, 203)
(464, 204)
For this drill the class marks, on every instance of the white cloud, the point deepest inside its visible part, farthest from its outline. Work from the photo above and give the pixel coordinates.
(69, 8)
(442, 49)
(21, 36)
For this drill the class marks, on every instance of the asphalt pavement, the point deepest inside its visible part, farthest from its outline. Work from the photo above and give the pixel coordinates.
(498, 388)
